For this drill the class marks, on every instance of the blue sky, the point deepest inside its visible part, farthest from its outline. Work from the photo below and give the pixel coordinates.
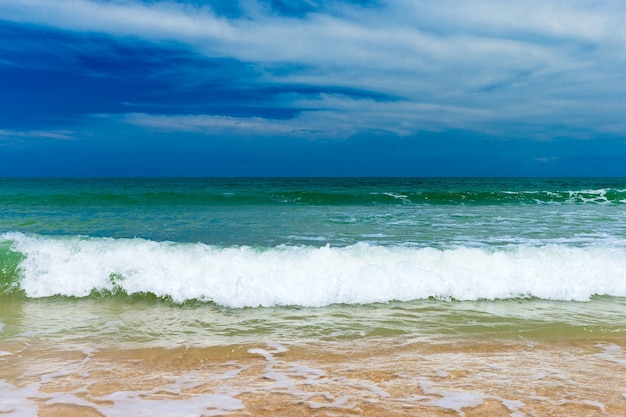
(312, 87)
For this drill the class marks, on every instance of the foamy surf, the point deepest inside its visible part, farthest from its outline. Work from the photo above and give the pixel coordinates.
(365, 378)
(243, 276)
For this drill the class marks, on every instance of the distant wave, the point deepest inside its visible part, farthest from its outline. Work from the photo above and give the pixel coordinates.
(599, 196)
(344, 197)
(42, 266)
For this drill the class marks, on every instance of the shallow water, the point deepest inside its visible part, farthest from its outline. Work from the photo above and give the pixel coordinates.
(127, 321)
(118, 356)
(366, 376)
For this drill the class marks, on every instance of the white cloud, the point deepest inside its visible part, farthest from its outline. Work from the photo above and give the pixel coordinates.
(335, 122)
(160, 20)
(210, 124)
(457, 64)
(546, 159)
(36, 134)
(405, 34)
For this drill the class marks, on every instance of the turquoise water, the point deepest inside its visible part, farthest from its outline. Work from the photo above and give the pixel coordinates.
(300, 256)
(269, 212)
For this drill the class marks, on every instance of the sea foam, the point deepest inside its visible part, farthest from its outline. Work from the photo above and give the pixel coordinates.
(313, 276)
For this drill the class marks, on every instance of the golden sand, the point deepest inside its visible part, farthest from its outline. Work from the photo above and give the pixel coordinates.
(375, 377)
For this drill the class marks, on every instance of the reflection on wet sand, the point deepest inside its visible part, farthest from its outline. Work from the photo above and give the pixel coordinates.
(369, 377)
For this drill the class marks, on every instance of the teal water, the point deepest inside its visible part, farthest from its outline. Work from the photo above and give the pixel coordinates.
(268, 212)
(301, 256)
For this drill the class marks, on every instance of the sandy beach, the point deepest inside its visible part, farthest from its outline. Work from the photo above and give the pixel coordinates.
(374, 377)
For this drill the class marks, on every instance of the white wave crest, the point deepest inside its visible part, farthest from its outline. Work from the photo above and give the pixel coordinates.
(311, 276)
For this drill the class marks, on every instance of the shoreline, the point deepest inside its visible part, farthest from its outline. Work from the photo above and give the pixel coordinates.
(389, 376)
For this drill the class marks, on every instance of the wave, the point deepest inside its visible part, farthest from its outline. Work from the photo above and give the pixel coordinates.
(241, 276)
(324, 192)
(355, 197)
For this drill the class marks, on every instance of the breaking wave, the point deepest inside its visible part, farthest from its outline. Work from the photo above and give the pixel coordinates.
(240, 276)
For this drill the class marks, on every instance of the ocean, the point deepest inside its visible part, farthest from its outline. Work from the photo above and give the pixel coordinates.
(313, 296)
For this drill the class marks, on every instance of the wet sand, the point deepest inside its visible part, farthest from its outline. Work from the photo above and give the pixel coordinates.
(364, 377)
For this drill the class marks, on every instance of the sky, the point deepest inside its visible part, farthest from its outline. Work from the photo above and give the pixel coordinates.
(313, 88)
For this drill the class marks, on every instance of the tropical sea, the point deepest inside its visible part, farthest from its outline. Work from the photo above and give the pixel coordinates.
(313, 297)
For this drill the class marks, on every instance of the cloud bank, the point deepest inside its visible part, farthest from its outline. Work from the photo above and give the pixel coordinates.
(322, 69)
